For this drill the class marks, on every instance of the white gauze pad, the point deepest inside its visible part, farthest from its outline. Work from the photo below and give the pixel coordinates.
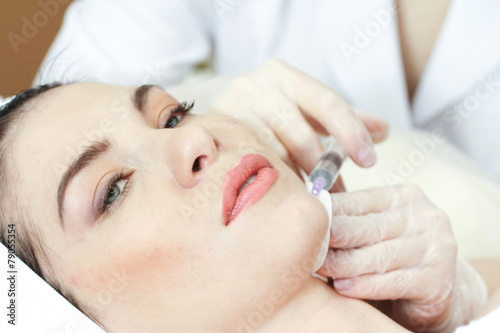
(324, 198)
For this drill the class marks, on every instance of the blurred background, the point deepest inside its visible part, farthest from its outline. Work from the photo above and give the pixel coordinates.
(27, 29)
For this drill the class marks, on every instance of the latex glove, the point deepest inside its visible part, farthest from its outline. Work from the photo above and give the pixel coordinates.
(392, 243)
(289, 110)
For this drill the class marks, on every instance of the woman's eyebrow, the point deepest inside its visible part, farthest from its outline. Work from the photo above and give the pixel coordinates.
(96, 149)
(91, 153)
(140, 96)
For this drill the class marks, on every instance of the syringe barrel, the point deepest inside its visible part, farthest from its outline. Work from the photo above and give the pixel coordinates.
(328, 168)
(329, 164)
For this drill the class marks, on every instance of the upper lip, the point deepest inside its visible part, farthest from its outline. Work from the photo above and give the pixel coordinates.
(237, 176)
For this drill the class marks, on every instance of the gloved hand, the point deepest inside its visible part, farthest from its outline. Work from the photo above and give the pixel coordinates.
(392, 243)
(286, 107)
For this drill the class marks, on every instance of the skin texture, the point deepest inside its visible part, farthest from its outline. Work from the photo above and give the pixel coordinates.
(162, 253)
(490, 271)
(419, 25)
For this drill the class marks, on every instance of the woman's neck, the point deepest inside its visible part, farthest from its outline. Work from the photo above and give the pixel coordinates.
(318, 308)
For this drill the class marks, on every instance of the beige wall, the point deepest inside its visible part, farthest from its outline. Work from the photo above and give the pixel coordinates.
(19, 62)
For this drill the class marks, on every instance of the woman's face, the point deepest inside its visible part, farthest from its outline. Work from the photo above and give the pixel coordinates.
(137, 228)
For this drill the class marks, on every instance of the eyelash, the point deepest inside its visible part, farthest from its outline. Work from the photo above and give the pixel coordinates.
(182, 108)
(103, 207)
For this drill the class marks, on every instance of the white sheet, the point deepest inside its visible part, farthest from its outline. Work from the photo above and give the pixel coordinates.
(487, 324)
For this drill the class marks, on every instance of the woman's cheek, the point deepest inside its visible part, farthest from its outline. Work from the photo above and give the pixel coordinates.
(306, 227)
(129, 273)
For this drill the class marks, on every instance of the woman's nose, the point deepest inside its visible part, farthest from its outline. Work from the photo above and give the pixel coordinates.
(195, 150)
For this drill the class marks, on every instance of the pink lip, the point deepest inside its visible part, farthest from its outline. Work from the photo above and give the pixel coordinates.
(252, 164)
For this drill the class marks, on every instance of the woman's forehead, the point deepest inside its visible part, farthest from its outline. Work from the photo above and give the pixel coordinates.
(56, 126)
(70, 97)
(61, 125)
(68, 119)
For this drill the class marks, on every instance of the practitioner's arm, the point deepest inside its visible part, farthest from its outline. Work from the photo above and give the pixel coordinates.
(128, 42)
(490, 271)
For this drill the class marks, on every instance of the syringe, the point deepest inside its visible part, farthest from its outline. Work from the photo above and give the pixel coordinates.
(326, 171)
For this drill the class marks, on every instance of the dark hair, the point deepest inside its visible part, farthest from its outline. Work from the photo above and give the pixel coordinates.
(28, 240)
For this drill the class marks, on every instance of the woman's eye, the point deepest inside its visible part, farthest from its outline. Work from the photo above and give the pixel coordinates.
(115, 191)
(173, 121)
(177, 114)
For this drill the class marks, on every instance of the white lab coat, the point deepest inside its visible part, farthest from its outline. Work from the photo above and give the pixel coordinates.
(352, 46)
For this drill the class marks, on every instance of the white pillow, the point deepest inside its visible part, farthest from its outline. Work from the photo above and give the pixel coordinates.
(39, 308)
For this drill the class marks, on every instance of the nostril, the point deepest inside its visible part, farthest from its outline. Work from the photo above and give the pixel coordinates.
(197, 163)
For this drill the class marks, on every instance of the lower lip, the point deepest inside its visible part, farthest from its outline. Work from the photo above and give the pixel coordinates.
(251, 193)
